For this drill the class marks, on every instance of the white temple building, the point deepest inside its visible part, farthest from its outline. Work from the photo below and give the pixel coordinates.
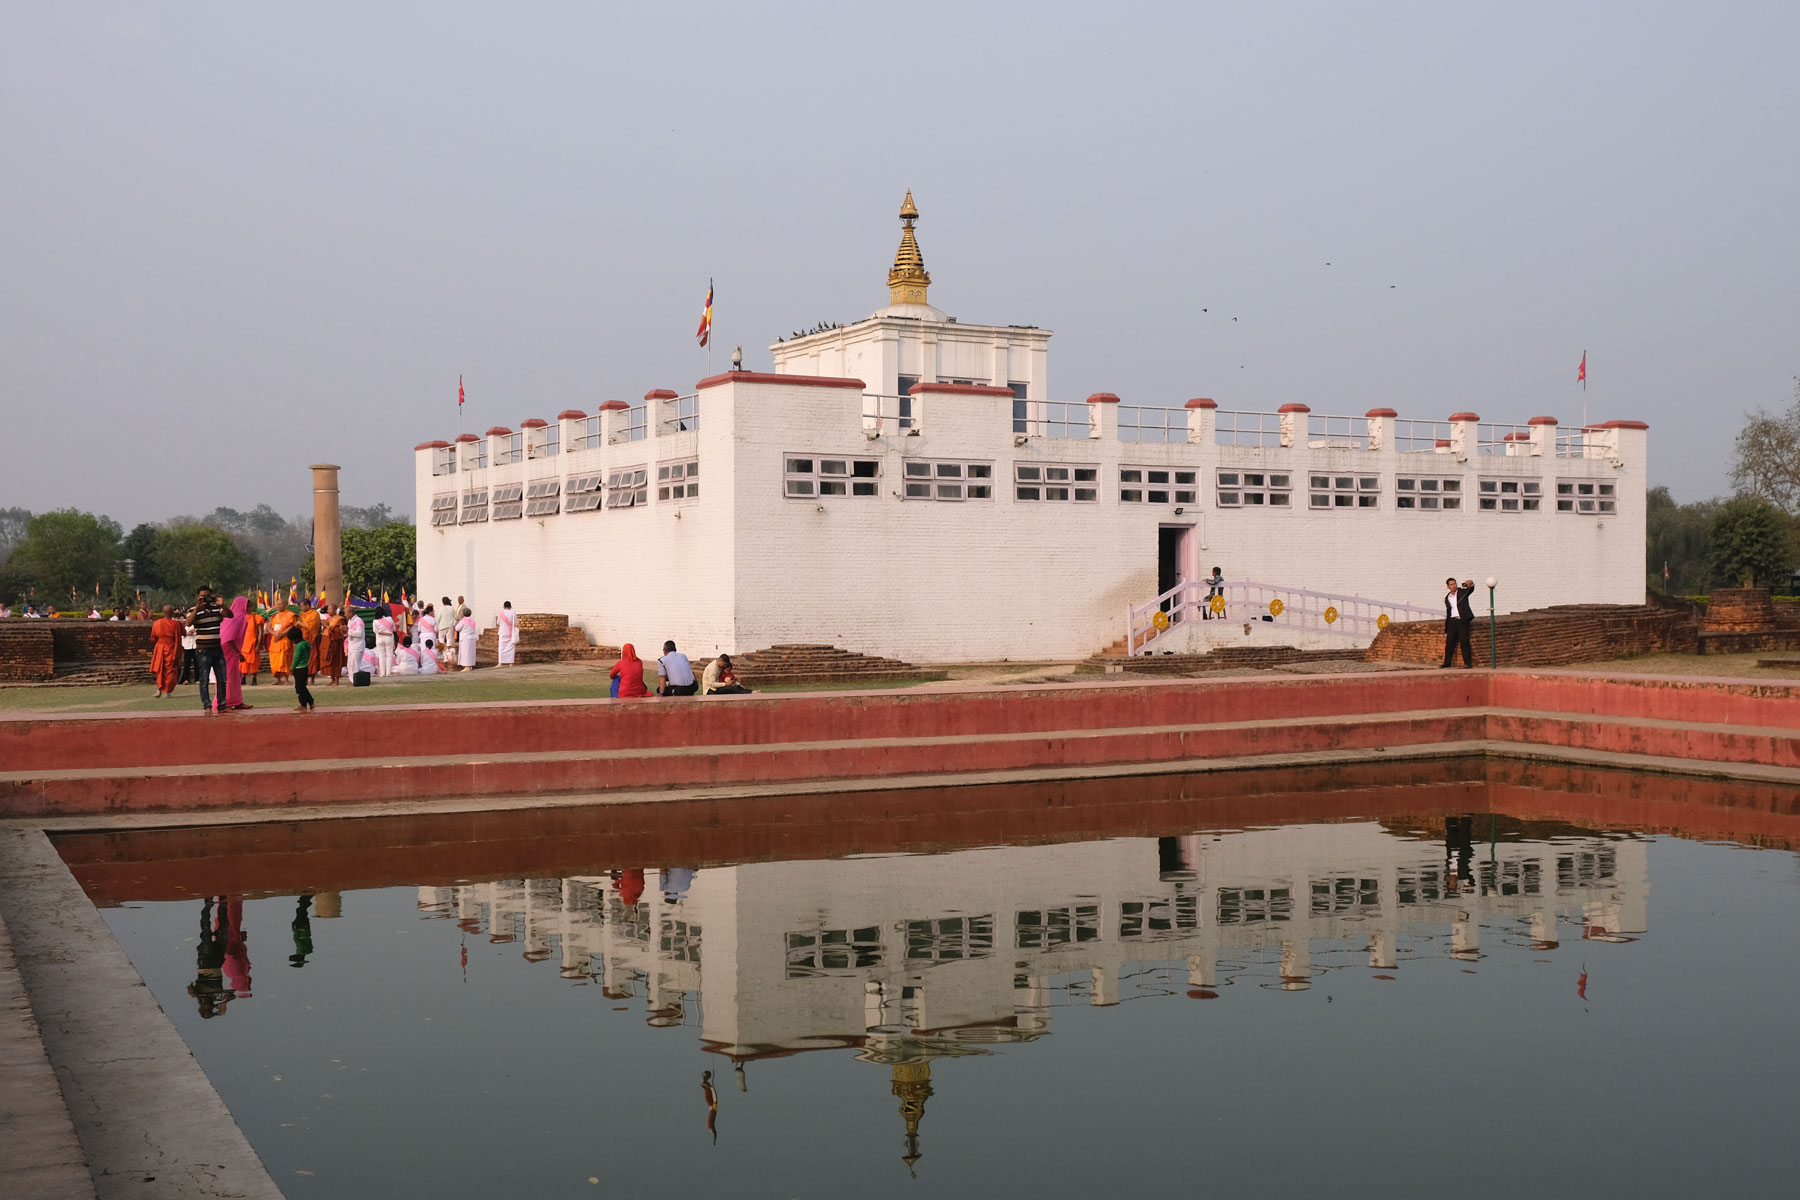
(908, 485)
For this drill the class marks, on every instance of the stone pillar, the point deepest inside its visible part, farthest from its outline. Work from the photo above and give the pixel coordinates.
(1543, 436)
(1103, 416)
(1465, 435)
(1203, 421)
(1293, 424)
(1381, 428)
(328, 539)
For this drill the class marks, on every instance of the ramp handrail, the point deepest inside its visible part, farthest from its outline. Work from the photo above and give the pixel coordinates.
(1358, 618)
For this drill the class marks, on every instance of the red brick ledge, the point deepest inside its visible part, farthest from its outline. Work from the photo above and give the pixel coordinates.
(958, 389)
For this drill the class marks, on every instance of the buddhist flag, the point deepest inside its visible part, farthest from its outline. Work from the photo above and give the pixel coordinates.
(293, 590)
(459, 392)
(1581, 372)
(705, 330)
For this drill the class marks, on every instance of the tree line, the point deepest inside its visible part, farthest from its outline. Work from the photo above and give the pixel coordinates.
(73, 559)
(1753, 537)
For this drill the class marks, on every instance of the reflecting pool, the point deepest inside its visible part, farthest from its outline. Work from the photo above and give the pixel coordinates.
(1428, 981)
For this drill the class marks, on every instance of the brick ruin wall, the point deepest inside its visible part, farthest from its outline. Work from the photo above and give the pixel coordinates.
(30, 651)
(1550, 637)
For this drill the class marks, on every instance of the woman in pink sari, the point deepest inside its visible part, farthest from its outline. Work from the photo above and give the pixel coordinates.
(231, 634)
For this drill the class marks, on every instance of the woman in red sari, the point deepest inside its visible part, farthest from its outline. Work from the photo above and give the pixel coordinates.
(165, 660)
(629, 671)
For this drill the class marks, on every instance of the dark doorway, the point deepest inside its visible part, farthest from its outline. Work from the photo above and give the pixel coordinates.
(1168, 557)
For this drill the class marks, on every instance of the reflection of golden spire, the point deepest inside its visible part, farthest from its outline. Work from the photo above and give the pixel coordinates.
(912, 1081)
(908, 280)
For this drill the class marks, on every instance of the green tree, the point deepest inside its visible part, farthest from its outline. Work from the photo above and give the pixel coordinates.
(1675, 535)
(1766, 463)
(140, 548)
(372, 517)
(189, 556)
(67, 550)
(1751, 543)
(385, 559)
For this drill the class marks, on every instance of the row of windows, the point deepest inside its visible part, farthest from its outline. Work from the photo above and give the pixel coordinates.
(628, 487)
(959, 480)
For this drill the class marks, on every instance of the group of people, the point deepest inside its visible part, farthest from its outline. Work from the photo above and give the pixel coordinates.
(225, 647)
(674, 675)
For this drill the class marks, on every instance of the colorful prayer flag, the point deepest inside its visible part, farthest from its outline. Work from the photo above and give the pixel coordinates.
(293, 590)
(705, 330)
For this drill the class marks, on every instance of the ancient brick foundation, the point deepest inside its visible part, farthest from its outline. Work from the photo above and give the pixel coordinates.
(27, 652)
(1550, 637)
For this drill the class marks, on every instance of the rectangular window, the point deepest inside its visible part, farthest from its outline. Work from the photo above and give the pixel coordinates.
(813, 952)
(628, 488)
(1427, 493)
(1255, 489)
(1035, 481)
(1584, 496)
(678, 480)
(1047, 929)
(932, 479)
(1157, 485)
(543, 497)
(443, 509)
(1344, 491)
(509, 501)
(836, 475)
(584, 493)
(1021, 411)
(474, 507)
(1511, 495)
(443, 460)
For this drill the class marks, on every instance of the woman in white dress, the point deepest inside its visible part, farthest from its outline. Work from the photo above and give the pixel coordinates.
(506, 627)
(406, 659)
(466, 634)
(384, 642)
(428, 658)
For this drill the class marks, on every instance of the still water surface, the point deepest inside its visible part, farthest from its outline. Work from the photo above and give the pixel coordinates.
(1463, 1005)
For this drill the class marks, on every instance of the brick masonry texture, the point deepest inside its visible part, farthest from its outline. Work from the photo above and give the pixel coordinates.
(1549, 637)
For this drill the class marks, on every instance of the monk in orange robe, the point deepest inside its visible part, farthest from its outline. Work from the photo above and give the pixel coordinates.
(165, 660)
(310, 627)
(250, 652)
(331, 654)
(281, 651)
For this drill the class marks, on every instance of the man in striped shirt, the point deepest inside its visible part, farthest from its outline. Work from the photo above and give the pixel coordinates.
(205, 617)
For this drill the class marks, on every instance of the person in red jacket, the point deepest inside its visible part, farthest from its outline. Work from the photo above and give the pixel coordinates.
(629, 671)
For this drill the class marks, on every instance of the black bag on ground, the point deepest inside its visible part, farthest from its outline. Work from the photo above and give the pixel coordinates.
(360, 679)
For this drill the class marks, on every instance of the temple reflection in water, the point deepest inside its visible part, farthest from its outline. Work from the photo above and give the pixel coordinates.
(909, 958)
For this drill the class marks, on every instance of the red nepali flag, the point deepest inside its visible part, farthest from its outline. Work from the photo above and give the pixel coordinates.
(1581, 375)
(459, 390)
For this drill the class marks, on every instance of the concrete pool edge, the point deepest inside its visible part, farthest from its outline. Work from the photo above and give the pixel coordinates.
(149, 1121)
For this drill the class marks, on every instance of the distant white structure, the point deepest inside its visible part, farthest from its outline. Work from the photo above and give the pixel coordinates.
(906, 486)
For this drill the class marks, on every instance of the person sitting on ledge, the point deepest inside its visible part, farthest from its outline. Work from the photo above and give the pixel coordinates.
(720, 680)
(629, 671)
(675, 672)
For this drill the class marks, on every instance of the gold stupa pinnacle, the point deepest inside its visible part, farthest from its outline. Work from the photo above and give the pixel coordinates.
(908, 280)
(912, 1084)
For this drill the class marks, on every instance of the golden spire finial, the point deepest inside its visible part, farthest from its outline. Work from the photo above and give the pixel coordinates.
(908, 280)
(912, 1083)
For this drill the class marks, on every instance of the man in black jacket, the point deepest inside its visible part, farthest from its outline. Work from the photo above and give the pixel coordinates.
(1458, 618)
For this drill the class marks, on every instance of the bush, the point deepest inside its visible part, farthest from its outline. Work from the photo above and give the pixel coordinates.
(1751, 541)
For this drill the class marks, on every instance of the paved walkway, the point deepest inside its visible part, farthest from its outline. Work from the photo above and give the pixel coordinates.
(43, 1157)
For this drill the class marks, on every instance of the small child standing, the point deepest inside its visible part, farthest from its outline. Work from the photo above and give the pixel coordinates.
(302, 663)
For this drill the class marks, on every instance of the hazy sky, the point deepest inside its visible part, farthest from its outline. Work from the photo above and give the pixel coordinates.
(239, 239)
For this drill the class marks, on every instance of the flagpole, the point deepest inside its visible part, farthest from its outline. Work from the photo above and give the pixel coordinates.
(709, 337)
(1584, 396)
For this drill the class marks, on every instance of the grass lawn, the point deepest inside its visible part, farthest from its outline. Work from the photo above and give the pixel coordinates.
(555, 682)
